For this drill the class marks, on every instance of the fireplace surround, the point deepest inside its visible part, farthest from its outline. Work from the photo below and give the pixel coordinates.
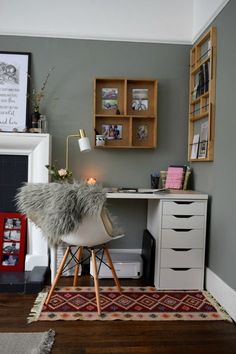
(38, 149)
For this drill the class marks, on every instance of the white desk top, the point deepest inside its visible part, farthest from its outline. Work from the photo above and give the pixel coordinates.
(172, 194)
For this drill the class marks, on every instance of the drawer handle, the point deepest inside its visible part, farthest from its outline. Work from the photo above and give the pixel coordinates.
(181, 249)
(183, 202)
(182, 230)
(180, 269)
(182, 216)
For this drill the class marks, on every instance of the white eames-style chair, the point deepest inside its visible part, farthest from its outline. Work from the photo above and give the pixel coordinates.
(93, 233)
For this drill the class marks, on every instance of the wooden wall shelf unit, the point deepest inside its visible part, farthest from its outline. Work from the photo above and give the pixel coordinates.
(202, 98)
(125, 111)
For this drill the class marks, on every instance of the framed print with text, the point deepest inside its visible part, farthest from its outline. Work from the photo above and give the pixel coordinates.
(14, 83)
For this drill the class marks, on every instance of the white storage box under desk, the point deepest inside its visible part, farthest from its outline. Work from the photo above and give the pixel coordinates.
(127, 265)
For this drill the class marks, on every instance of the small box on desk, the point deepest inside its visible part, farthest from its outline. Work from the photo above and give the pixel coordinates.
(127, 265)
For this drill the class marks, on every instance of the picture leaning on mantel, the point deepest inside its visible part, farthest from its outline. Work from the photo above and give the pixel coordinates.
(12, 241)
(14, 83)
(125, 113)
(202, 92)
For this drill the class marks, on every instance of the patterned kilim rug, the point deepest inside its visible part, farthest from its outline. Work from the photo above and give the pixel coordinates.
(134, 303)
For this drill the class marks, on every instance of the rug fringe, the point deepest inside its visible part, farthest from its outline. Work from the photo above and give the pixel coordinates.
(37, 307)
(46, 344)
(219, 308)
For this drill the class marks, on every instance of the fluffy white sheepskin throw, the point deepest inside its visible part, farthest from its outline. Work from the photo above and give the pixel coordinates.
(57, 208)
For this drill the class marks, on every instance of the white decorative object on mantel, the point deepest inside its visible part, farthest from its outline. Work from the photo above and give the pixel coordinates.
(38, 149)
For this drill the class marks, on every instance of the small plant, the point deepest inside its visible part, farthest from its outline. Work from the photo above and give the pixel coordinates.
(37, 96)
(59, 175)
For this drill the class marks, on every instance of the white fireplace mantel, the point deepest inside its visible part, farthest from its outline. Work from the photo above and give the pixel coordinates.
(38, 149)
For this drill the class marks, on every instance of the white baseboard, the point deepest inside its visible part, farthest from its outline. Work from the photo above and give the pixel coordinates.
(223, 293)
(125, 250)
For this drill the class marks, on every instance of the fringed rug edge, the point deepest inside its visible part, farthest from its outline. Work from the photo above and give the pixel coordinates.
(37, 307)
(218, 307)
(47, 342)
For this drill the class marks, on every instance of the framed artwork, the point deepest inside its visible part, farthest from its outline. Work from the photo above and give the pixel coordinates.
(12, 241)
(14, 84)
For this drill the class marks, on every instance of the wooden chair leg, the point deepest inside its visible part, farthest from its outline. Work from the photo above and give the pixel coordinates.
(59, 271)
(78, 256)
(109, 260)
(96, 281)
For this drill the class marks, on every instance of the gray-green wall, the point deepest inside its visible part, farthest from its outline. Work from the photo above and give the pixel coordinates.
(218, 178)
(69, 106)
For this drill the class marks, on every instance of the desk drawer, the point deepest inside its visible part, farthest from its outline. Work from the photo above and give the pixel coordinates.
(183, 222)
(181, 258)
(182, 238)
(181, 279)
(184, 208)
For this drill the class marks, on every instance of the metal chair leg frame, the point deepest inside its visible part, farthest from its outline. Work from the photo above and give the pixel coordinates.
(78, 256)
(96, 281)
(107, 254)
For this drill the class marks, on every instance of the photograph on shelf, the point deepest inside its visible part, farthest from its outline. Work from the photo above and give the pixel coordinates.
(140, 99)
(142, 131)
(195, 145)
(112, 131)
(109, 98)
(202, 150)
(203, 140)
(14, 80)
(201, 81)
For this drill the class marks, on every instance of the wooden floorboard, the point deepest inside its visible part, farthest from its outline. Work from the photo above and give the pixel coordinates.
(119, 337)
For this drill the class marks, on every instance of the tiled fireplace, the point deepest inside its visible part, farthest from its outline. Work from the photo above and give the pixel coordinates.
(37, 147)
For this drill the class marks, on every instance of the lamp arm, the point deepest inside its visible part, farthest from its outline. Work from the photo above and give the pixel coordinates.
(67, 147)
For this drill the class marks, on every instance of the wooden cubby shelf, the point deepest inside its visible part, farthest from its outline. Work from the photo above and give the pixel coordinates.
(125, 112)
(202, 98)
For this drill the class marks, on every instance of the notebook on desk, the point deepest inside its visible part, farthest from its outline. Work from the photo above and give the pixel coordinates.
(149, 190)
(134, 190)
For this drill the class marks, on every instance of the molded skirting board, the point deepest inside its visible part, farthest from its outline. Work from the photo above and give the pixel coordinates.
(125, 250)
(223, 293)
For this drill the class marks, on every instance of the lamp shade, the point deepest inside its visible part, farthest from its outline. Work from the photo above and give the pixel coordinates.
(84, 144)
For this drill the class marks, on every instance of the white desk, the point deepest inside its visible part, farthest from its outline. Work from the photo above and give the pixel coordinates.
(177, 221)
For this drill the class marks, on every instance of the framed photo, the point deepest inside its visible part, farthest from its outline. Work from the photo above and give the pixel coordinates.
(140, 99)
(12, 241)
(14, 83)
(112, 132)
(109, 98)
(142, 131)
